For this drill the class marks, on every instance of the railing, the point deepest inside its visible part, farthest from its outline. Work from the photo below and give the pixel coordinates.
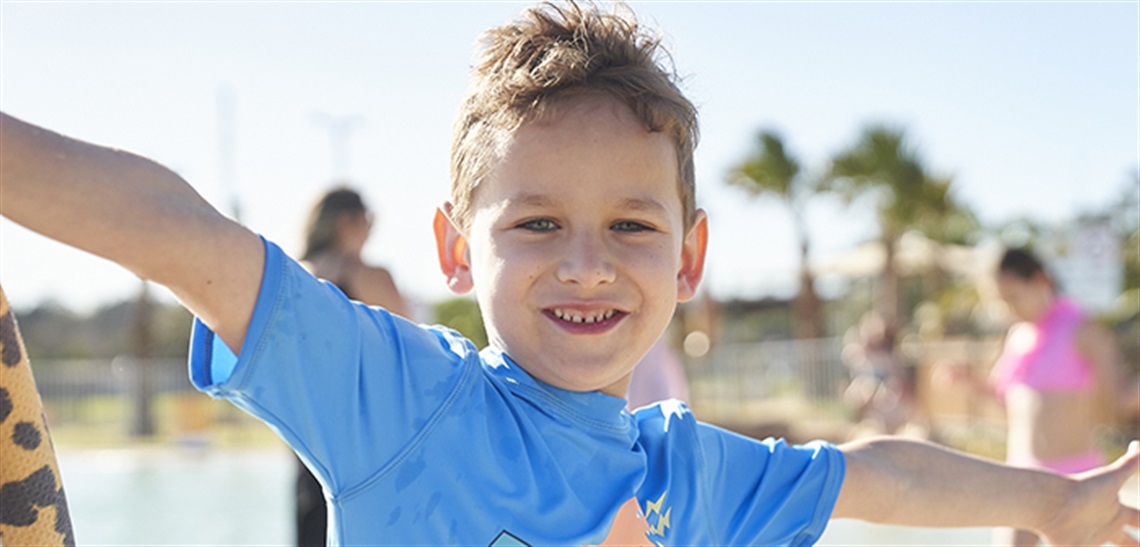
(763, 388)
(790, 387)
(734, 374)
(745, 383)
(108, 401)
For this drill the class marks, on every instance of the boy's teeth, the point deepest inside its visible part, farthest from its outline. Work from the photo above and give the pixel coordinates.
(575, 317)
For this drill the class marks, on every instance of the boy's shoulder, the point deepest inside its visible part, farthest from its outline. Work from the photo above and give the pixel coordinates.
(665, 415)
(453, 340)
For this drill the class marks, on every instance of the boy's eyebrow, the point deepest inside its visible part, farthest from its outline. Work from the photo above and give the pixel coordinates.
(638, 204)
(527, 199)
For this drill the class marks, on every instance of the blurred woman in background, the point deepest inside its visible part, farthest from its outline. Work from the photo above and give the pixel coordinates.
(338, 226)
(1056, 377)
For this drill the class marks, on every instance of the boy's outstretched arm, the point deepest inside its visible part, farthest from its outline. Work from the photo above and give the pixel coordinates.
(136, 213)
(897, 481)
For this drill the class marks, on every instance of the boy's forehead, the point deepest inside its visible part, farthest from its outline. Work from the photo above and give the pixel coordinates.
(584, 139)
(593, 118)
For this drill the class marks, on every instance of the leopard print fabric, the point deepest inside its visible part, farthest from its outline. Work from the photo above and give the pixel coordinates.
(33, 508)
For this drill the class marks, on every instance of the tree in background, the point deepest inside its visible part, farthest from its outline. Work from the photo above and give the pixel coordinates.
(768, 170)
(462, 314)
(885, 167)
(53, 332)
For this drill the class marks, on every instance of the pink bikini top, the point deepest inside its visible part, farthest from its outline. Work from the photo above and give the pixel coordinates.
(1042, 355)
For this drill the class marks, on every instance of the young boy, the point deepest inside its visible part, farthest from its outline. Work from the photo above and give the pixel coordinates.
(572, 217)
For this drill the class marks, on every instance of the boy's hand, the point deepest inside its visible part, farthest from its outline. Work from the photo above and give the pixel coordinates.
(1092, 514)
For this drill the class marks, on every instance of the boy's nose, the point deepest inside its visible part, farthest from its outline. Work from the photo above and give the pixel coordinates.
(587, 262)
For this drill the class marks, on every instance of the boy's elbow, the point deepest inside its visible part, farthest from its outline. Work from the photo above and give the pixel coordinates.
(873, 486)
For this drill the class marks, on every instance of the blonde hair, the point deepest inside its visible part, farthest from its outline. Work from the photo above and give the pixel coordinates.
(553, 53)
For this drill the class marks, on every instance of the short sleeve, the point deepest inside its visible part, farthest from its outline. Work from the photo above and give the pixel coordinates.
(346, 385)
(769, 492)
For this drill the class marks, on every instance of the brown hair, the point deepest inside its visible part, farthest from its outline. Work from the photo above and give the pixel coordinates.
(321, 226)
(1025, 265)
(555, 52)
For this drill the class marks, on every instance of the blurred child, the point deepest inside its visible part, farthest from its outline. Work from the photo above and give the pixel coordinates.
(881, 390)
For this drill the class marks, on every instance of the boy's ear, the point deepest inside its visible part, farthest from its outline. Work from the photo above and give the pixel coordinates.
(693, 258)
(451, 248)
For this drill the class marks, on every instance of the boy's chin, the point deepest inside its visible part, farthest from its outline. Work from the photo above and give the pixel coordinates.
(583, 383)
(576, 373)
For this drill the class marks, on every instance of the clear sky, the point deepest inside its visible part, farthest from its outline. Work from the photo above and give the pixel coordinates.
(1031, 106)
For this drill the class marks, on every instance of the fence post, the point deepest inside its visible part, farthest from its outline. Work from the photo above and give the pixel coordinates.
(142, 383)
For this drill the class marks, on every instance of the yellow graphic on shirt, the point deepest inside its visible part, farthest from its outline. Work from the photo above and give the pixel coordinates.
(653, 509)
(634, 527)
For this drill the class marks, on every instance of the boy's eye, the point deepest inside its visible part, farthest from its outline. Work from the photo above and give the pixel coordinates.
(539, 225)
(630, 226)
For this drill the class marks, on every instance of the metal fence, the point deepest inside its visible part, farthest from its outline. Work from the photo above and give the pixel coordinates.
(108, 401)
(111, 399)
(735, 373)
(731, 379)
(790, 387)
(79, 378)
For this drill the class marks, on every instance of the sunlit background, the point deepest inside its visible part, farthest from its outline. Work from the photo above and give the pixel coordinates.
(1031, 108)
(1027, 113)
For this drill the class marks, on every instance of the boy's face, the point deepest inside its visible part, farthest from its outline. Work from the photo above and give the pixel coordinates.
(577, 248)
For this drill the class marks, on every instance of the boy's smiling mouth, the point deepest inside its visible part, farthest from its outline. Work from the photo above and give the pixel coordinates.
(582, 317)
(580, 321)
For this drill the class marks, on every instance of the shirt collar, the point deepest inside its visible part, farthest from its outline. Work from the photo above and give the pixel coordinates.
(591, 408)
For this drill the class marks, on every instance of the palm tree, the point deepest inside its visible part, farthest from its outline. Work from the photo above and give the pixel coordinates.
(770, 170)
(882, 164)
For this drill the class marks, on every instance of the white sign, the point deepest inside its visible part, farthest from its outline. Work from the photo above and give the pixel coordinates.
(1087, 264)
